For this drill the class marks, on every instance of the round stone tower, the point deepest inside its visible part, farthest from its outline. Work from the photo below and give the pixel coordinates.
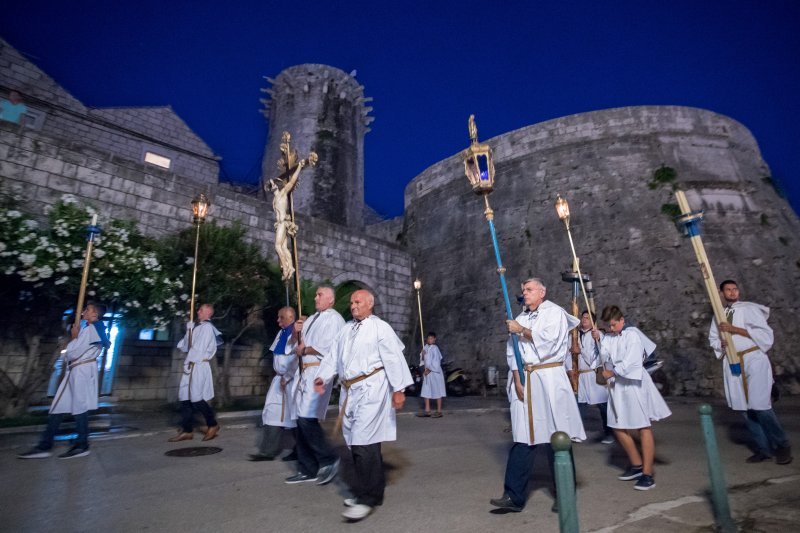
(324, 110)
(617, 168)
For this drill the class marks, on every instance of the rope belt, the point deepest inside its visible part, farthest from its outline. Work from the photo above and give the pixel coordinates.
(586, 371)
(529, 369)
(306, 365)
(744, 376)
(347, 383)
(84, 362)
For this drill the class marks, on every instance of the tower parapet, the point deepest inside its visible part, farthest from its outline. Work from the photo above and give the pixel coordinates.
(325, 110)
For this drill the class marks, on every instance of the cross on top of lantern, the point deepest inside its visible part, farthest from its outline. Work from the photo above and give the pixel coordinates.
(562, 208)
(200, 206)
(478, 163)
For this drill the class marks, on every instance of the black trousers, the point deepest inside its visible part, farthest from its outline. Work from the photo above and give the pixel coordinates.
(370, 481)
(520, 466)
(313, 449)
(271, 441)
(187, 414)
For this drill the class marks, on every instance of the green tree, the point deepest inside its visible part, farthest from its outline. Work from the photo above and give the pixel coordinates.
(234, 276)
(41, 271)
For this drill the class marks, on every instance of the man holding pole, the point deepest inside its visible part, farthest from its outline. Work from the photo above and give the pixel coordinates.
(77, 393)
(316, 460)
(750, 390)
(546, 403)
(196, 388)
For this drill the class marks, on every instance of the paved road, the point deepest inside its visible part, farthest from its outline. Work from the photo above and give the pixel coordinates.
(442, 472)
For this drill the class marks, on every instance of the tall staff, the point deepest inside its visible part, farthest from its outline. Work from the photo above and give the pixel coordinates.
(690, 221)
(572, 278)
(418, 287)
(91, 231)
(479, 168)
(200, 207)
(562, 208)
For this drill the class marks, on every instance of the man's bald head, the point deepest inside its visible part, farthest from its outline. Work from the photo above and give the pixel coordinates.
(361, 304)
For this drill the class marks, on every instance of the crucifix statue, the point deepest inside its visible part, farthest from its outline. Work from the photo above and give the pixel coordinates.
(282, 188)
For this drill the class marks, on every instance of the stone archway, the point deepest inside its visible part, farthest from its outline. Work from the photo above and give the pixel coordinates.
(353, 281)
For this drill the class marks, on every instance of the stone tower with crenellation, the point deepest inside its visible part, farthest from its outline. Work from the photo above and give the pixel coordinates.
(324, 109)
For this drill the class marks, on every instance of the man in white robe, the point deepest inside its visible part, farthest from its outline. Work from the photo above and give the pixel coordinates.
(752, 338)
(589, 392)
(368, 357)
(634, 401)
(546, 403)
(77, 393)
(196, 388)
(277, 415)
(316, 460)
(433, 387)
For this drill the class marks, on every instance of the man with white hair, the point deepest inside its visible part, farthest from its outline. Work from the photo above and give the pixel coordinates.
(546, 403)
(368, 357)
(316, 460)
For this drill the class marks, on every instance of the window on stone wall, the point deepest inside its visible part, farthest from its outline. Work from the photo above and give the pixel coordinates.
(153, 335)
(157, 159)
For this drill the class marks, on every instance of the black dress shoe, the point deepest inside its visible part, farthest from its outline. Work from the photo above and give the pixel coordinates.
(757, 458)
(260, 457)
(783, 455)
(506, 503)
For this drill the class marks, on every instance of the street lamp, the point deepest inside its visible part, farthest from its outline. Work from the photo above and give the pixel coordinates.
(479, 168)
(200, 207)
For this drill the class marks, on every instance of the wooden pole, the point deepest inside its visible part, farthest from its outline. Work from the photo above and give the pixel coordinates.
(710, 283)
(296, 258)
(194, 278)
(87, 261)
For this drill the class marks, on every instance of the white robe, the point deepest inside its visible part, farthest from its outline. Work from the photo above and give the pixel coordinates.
(77, 392)
(634, 400)
(197, 381)
(433, 384)
(280, 401)
(319, 331)
(589, 359)
(552, 398)
(758, 371)
(359, 349)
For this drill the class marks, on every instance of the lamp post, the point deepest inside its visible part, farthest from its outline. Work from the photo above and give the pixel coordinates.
(91, 231)
(562, 209)
(479, 168)
(200, 206)
(418, 287)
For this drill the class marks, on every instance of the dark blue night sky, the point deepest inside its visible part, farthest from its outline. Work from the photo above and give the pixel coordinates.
(428, 65)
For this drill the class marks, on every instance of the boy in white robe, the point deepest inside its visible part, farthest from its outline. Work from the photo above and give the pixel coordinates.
(276, 416)
(316, 459)
(634, 400)
(589, 392)
(752, 337)
(433, 387)
(77, 393)
(368, 357)
(546, 403)
(197, 382)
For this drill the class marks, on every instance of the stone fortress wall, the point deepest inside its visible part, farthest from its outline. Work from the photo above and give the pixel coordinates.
(57, 156)
(603, 163)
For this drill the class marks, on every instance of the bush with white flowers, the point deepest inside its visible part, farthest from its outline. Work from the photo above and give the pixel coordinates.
(46, 263)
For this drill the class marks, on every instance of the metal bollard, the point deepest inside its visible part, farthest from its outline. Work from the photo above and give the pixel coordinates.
(565, 483)
(719, 489)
